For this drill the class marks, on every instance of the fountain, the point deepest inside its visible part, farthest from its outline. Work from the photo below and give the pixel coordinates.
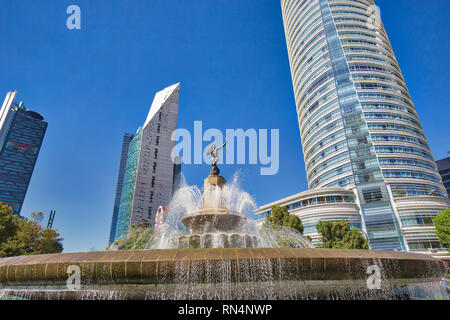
(214, 218)
(214, 221)
(222, 255)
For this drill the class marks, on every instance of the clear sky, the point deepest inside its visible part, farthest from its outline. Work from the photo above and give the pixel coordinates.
(94, 84)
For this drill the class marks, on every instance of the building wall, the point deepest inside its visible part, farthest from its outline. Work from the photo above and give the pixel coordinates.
(148, 180)
(326, 204)
(127, 138)
(23, 133)
(6, 116)
(444, 171)
(154, 179)
(416, 216)
(129, 183)
(357, 121)
(176, 176)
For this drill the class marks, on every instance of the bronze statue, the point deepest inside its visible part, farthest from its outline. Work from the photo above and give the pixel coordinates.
(214, 158)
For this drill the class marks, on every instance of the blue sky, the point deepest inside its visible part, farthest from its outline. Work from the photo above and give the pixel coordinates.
(94, 84)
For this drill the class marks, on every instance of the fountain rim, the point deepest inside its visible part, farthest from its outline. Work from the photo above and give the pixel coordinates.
(216, 211)
(113, 269)
(213, 253)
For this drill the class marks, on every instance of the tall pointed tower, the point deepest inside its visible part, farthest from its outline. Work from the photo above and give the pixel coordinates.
(149, 174)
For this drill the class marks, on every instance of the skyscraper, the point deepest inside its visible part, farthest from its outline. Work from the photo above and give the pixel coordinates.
(148, 180)
(122, 168)
(444, 170)
(358, 124)
(21, 135)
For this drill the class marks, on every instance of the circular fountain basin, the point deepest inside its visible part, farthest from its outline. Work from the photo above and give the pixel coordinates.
(214, 220)
(223, 274)
(217, 240)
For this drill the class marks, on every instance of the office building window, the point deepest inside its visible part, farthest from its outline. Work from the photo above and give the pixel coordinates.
(149, 211)
(372, 195)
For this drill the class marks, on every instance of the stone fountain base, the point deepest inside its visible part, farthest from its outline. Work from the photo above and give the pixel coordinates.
(211, 228)
(218, 240)
(224, 274)
(210, 220)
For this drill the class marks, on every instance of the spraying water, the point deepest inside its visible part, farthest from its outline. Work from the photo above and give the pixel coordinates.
(215, 207)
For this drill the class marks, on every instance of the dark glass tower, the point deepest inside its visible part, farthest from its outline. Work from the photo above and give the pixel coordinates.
(21, 135)
(122, 168)
(444, 170)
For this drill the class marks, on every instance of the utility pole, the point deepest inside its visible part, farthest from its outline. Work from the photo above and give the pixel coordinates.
(50, 219)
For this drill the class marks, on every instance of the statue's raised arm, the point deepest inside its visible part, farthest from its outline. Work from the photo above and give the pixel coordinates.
(222, 146)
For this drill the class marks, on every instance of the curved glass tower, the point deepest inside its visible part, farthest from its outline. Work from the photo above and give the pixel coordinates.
(358, 124)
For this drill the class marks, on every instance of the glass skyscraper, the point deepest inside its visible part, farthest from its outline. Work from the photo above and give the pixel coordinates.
(444, 170)
(21, 134)
(147, 173)
(127, 138)
(358, 124)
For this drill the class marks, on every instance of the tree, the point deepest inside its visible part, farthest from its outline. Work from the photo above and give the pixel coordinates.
(139, 237)
(37, 216)
(8, 223)
(49, 242)
(442, 224)
(19, 236)
(280, 217)
(338, 235)
(284, 229)
(27, 237)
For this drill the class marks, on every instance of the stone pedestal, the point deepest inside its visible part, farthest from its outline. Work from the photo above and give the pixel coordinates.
(211, 196)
